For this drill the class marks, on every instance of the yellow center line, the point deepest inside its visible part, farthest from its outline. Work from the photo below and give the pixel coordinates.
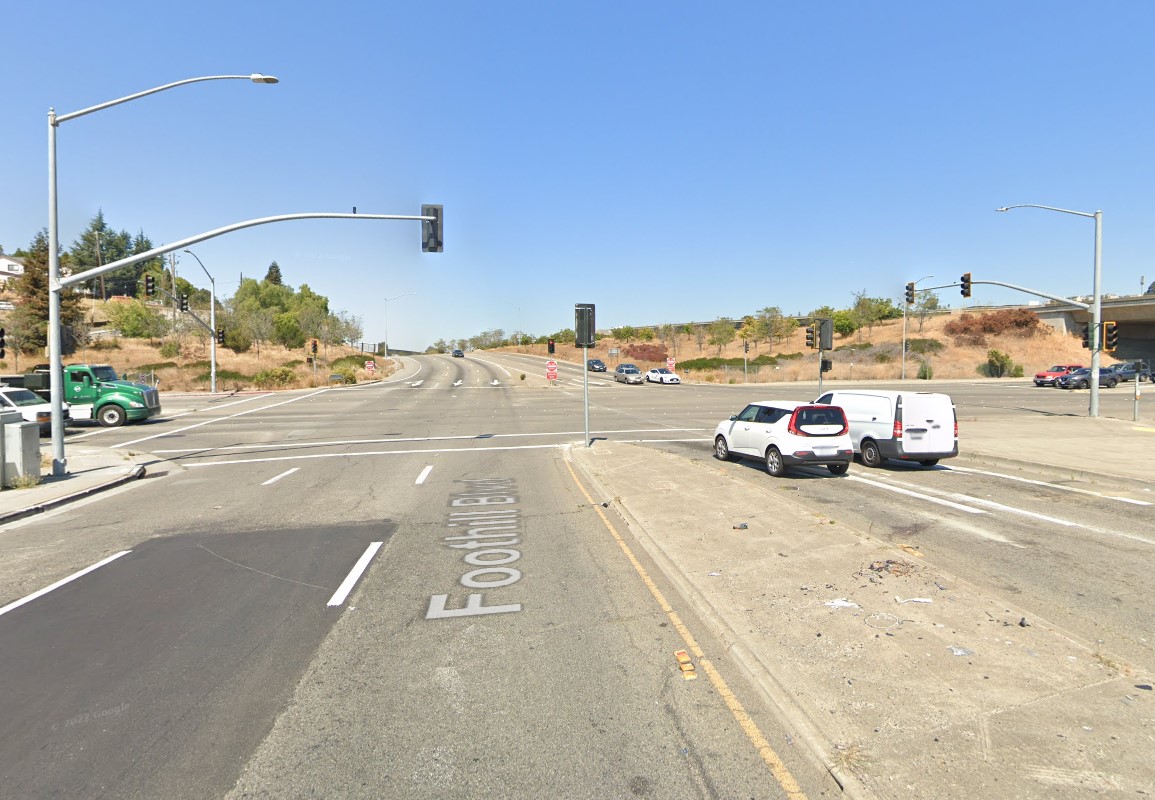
(749, 727)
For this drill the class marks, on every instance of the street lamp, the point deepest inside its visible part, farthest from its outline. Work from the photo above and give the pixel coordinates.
(1096, 297)
(916, 283)
(212, 323)
(387, 299)
(56, 366)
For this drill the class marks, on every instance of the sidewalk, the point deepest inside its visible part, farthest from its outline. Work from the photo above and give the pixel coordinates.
(950, 698)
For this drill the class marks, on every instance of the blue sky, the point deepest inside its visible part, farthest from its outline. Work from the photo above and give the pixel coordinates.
(667, 161)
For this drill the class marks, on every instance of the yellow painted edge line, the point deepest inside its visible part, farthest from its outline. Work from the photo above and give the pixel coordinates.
(777, 768)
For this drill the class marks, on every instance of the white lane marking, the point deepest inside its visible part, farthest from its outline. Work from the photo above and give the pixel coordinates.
(218, 419)
(1013, 510)
(415, 384)
(424, 474)
(495, 382)
(493, 364)
(99, 431)
(273, 445)
(1059, 486)
(351, 579)
(919, 495)
(457, 383)
(380, 453)
(59, 583)
(284, 474)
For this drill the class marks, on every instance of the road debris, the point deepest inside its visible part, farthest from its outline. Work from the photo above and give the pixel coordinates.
(841, 602)
(741, 526)
(961, 651)
(689, 672)
(900, 601)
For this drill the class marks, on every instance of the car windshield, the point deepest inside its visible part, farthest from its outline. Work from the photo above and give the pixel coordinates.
(629, 369)
(23, 397)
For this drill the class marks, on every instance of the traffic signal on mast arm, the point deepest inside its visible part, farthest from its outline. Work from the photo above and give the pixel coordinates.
(1087, 336)
(431, 229)
(149, 285)
(811, 341)
(184, 302)
(965, 280)
(1110, 336)
(220, 335)
(910, 294)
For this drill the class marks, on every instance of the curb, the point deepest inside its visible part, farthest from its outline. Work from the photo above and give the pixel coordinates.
(136, 472)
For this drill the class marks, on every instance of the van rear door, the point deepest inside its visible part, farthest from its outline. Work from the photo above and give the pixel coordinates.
(927, 423)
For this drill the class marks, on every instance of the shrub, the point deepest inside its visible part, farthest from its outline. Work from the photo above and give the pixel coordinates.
(925, 373)
(275, 377)
(859, 346)
(296, 362)
(170, 349)
(926, 347)
(883, 358)
(971, 330)
(156, 366)
(645, 352)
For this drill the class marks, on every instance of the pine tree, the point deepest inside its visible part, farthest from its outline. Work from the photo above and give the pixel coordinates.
(31, 315)
(274, 274)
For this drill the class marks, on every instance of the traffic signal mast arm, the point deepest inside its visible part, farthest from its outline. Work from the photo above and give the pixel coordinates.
(1067, 300)
(183, 300)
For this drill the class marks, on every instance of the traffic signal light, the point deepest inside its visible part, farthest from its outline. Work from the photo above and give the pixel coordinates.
(184, 302)
(965, 280)
(810, 340)
(1110, 336)
(825, 334)
(550, 346)
(313, 347)
(431, 230)
(827, 365)
(220, 335)
(1087, 336)
(3, 342)
(745, 346)
(910, 294)
(149, 285)
(584, 324)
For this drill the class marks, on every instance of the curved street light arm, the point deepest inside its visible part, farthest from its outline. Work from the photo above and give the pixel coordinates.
(256, 77)
(1050, 208)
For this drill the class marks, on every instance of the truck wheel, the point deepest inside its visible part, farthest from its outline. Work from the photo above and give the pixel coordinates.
(111, 416)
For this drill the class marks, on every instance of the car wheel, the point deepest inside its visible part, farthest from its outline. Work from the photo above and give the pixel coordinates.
(929, 462)
(1083, 385)
(838, 469)
(1111, 384)
(1143, 378)
(722, 450)
(871, 457)
(774, 464)
(111, 416)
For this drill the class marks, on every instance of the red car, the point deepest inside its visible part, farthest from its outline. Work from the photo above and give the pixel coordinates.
(1048, 376)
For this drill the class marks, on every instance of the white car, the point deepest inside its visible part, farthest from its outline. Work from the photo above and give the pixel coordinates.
(31, 406)
(787, 433)
(662, 375)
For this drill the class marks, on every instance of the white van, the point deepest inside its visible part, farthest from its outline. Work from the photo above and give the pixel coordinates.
(908, 426)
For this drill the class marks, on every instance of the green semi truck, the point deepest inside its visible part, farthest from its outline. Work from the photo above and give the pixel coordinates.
(95, 391)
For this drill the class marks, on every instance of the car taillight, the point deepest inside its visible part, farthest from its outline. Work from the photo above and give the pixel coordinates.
(792, 427)
(897, 428)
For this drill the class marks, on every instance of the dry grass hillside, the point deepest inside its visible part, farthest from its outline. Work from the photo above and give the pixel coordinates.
(865, 355)
(274, 368)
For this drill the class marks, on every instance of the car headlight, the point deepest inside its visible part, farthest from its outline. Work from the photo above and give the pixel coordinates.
(135, 404)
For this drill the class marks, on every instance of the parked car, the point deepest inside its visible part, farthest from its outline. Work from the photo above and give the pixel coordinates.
(1081, 379)
(1048, 376)
(906, 426)
(596, 365)
(786, 433)
(1130, 370)
(628, 373)
(662, 375)
(32, 407)
(458, 354)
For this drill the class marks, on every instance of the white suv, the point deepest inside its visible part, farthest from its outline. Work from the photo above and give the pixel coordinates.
(787, 433)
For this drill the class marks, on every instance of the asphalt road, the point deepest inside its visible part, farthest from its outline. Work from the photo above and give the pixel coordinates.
(541, 665)
(207, 661)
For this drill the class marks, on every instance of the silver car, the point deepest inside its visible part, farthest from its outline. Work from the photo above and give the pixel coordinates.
(628, 373)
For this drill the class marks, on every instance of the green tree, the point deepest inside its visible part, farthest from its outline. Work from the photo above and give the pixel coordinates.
(625, 334)
(844, 323)
(273, 275)
(31, 315)
(646, 334)
(136, 320)
(925, 306)
(721, 333)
